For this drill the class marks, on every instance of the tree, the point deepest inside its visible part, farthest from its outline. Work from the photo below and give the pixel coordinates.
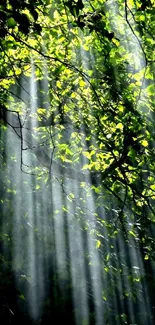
(77, 90)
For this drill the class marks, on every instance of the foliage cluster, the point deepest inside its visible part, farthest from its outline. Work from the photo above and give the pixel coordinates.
(93, 65)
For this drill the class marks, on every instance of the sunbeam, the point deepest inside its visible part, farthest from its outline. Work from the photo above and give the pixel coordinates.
(77, 162)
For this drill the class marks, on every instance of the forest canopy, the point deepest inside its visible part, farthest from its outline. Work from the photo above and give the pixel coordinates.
(77, 105)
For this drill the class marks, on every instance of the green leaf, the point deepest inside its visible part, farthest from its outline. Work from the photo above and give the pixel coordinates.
(146, 257)
(132, 233)
(144, 143)
(150, 90)
(82, 83)
(11, 22)
(98, 244)
(21, 296)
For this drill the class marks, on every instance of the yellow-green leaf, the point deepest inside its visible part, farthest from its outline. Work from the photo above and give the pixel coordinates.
(146, 257)
(144, 143)
(82, 83)
(98, 244)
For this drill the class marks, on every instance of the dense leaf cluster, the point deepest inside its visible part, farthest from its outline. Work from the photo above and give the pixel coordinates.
(20, 14)
(90, 123)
